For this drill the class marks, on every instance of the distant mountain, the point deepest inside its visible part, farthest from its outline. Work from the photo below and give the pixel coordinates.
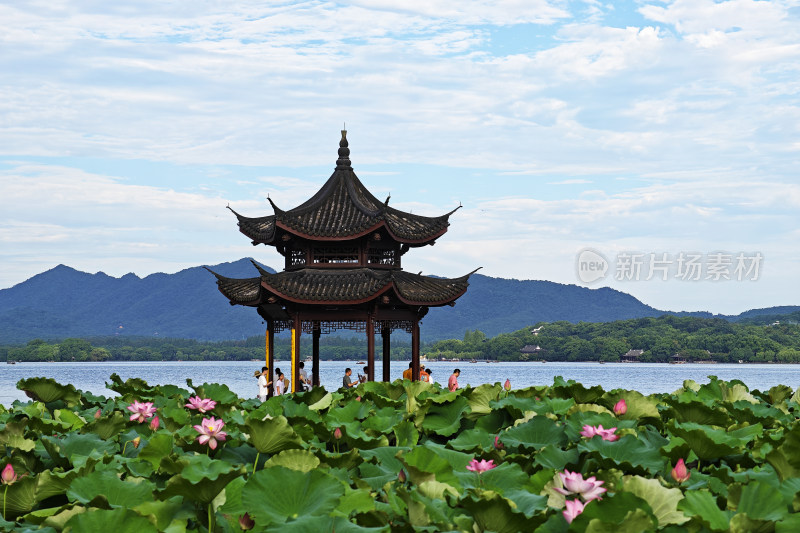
(63, 302)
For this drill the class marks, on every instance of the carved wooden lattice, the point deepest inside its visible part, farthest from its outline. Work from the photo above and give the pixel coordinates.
(297, 257)
(378, 256)
(330, 255)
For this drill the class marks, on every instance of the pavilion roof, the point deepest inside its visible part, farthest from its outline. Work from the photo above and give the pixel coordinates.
(344, 209)
(342, 286)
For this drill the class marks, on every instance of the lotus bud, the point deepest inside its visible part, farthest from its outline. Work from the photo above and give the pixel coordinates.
(136, 442)
(337, 433)
(246, 523)
(358, 398)
(497, 444)
(401, 476)
(8, 476)
(680, 472)
(154, 423)
(621, 407)
(507, 385)
(98, 414)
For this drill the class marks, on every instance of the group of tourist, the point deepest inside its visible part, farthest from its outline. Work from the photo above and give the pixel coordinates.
(281, 383)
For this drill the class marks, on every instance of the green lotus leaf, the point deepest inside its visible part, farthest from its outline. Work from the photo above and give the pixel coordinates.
(163, 512)
(406, 434)
(272, 435)
(348, 413)
(117, 520)
(75, 448)
(13, 436)
(472, 440)
(436, 490)
(323, 403)
(19, 497)
(107, 426)
(292, 494)
(346, 460)
(174, 416)
(355, 501)
(622, 511)
(48, 390)
(445, 419)
(706, 442)
(662, 501)
(218, 392)
(339, 524)
(158, 446)
(733, 392)
(300, 413)
(383, 420)
(760, 501)
(116, 492)
(376, 475)
(556, 458)
(385, 457)
(230, 499)
(703, 505)
(424, 463)
(700, 413)
(481, 397)
(741, 523)
(540, 431)
(629, 450)
(639, 405)
(492, 512)
(576, 391)
(132, 388)
(790, 524)
(72, 420)
(54, 483)
(300, 460)
(201, 479)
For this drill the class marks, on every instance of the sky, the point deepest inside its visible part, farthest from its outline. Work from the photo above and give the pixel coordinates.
(650, 146)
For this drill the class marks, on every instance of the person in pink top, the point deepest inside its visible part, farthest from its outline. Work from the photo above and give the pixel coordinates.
(452, 383)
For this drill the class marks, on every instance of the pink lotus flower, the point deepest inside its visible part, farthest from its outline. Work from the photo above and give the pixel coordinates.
(507, 385)
(201, 404)
(680, 473)
(337, 433)
(98, 414)
(574, 508)
(141, 411)
(246, 523)
(481, 466)
(605, 434)
(154, 423)
(588, 489)
(8, 476)
(621, 407)
(497, 444)
(210, 432)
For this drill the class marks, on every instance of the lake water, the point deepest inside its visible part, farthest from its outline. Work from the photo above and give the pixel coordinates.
(643, 377)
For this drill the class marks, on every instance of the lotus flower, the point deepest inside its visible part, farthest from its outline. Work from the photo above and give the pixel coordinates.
(621, 407)
(98, 414)
(136, 442)
(574, 508)
(680, 473)
(481, 466)
(401, 476)
(154, 423)
(141, 411)
(497, 444)
(201, 404)
(337, 433)
(8, 476)
(507, 385)
(210, 432)
(246, 523)
(606, 434)
(588, 489)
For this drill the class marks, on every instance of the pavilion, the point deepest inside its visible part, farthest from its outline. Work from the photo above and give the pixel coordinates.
(343, 249)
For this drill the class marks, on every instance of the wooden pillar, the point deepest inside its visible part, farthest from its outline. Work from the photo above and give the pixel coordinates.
(315, 355)
(387, 347)
(270, 352)
(415, 351)
(296, 330)
(370, 348)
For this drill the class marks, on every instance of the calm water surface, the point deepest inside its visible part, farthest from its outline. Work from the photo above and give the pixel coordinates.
(646, 378)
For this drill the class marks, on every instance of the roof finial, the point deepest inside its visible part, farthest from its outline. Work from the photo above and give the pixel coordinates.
(344, 152)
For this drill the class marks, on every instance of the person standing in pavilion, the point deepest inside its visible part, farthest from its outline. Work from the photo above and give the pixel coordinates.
(452, 383)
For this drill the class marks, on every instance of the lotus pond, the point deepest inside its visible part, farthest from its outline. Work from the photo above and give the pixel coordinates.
(402, 456)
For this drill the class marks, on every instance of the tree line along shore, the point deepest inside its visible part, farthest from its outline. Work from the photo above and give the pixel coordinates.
(660, 340)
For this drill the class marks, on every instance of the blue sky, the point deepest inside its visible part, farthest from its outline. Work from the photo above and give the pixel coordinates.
(638, 127)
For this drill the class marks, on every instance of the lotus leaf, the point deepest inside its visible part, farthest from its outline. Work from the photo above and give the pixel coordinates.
(19, 498)
(48, 390)
(116, 520)
(111, 488)
(13, 436)
(492, 512)
(406, 434)
(272, 435)
(703, 505)
(445, 419)
(75, 448)
(300, 460)
(760, 501)
(663, 501)
(107, 426)
(481, 397)
(158, 446)
(540, 431)
(292, 494)
(629, 450)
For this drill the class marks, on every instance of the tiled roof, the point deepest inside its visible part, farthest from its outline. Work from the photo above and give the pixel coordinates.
(319, 286)
(344, 208)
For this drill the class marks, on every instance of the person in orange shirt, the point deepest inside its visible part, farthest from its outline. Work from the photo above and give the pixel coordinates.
(407, 372)
(423, 375)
